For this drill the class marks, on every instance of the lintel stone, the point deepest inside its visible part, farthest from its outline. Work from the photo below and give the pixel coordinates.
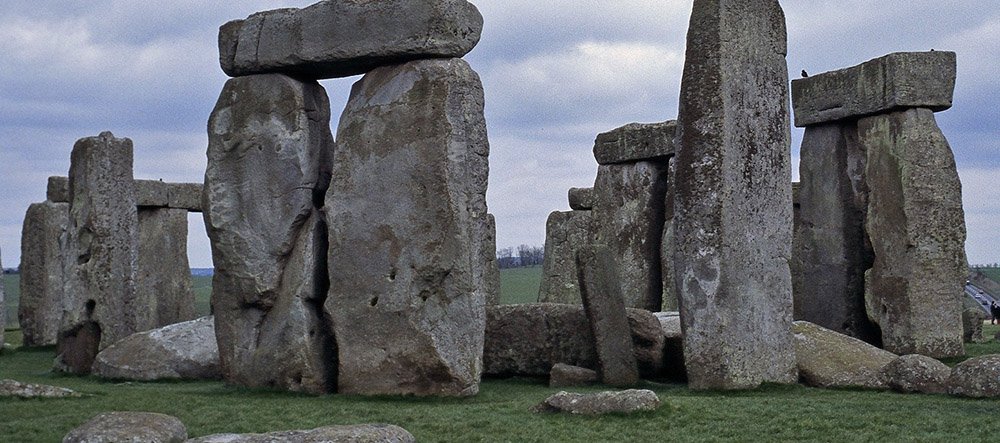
(635, 142)
(149, 193)
(581, 199)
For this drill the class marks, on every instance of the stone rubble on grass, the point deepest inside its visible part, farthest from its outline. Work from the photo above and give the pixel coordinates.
(607, 402)
(14, 388)
(185, 350)
(915, 373)
(381, 433)
(829, 359)
(976, 377)
(144, 427)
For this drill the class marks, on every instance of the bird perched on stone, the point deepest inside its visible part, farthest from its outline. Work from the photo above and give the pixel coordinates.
(804, 73)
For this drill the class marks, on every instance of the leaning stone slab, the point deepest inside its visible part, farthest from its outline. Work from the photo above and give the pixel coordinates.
(43, 245)
(605, 309)
(581, 199)
(409, 186)
(607, 402)
(14, 388)
(57, 189)
(164, 274)
(148, 427)
(916, 226)
(101, 304)
(636, 142)
(333, 434)
(733, 199)
(340, 38)
(915, 373)
(180, 351)
(828, 359)
(269, 153)
(885, 84)
(565, 233)
(976, 377)
(184, 196)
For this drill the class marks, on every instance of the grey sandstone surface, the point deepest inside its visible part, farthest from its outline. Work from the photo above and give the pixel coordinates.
(327, 434)
(488, 250)
(598, 403)
(184, 196)
(605, 309)
(915, 373)
(148, 427)
(57, 189)
(581, 199)
(885, 84)
(635, 142)
(669, 299)
(564, 376)
(976, 377)
(180, 351)
(916, 225)
(673, 345)
(565, 233)
(973, 317)
(733, 202)
(101, 304)
(340, 38)
(151, 193)
(828, 359)
(164, 274)
(269, 154)
(409, 185)
(14, 388)
(44, 238)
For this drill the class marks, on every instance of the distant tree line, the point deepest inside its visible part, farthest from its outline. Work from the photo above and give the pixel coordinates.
(526, 256)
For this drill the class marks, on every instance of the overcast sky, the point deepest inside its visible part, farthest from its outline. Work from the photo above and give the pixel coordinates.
(556, 73)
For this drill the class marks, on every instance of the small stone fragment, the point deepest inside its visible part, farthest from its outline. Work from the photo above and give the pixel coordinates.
(147, 427)
(607, 402)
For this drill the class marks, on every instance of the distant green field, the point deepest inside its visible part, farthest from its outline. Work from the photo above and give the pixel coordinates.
(520, 285)
(992, 273)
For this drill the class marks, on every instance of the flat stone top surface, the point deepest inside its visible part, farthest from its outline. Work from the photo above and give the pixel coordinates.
(635, 142)
(896, 81)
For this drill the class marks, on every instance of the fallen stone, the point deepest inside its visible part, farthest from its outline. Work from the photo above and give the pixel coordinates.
(605, 309)
(179, 351)
(332, 434)
(129, 427)
(581, 199)
(57, 190)
(566, 376)
(44, 239)
(340, 38)
(885, 84)
(636, 142)
(101, 304)
(528, 339)
(269, 154)
(151, 193)
(916, 373)
(976, 377)
(916, 226)
(185, 196)
(409, 185)
(565, 233)
(608, 402)
(829, 359)
(733, 200)
(13, 388)
(673, 346)
(164, 274)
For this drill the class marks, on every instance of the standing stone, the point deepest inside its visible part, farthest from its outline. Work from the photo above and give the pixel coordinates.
(164, 273)
(733, 202)
(670, 302)
(605, 308)
(43, 243)
(101, 303)
(407, 210)
(565, 233)
(269, 151)
(917, 229)
(340, 38)
(832, 253)
(491, 266)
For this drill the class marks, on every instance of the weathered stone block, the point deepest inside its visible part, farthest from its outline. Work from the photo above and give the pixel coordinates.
(563, 375)
(565, 233)
(44, 238)
(184, 196)
(605, 309)
(152, 193)
(269, 158)
(976, 377)
(581, 199)
(669, 299)
(733, 202)
(889, 83)
(917, 373)
(340, 38)
(164, 274)
(57, 190)
(101, 303)
(179, 351)
(916, 226)
(636, 142)
(409, 186)
(129, 426)
(829, 359)
(599, 403)
(491, 267)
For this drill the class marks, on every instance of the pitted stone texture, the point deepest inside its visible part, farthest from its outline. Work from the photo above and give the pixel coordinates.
(269, 155)
(529, 339)
(565, 376)
(976, 377)
(340, 38)
(180, 351)
(148, 427)
(565, 233)
(917, 373)
(581, 199)
(101, 303)
(409, 187)
(605, 309)
(57, 189)
(889, 83)
(599, 403)
(14, 388)
(669, 299)
(733, 200)
(916, 226)
(328, 434)
(831, 254)
(628, 217)
(828, 359)
(164, 273)
(151, 193)
(184, 196)
(43, 244)
(635, 142)
(492, 267)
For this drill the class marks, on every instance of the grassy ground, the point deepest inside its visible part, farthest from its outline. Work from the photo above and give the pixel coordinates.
(520, 285)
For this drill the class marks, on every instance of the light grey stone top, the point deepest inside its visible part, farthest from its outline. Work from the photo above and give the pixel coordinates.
(581, 199)
(635, 142)
(149, 193)
(893, 82)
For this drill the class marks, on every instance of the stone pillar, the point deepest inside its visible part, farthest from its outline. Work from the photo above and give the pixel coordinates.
(733, 202)
(670, 302)
(605, 309)
(269, 155)
(43, 242)
(164, 273)
(565, 233)
(491, 267)
(102, 305)
(407, 200)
